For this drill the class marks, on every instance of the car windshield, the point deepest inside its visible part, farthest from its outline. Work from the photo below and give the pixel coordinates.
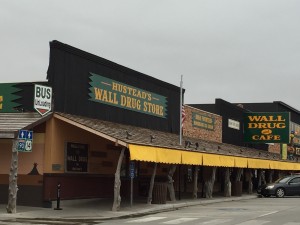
(282, 180)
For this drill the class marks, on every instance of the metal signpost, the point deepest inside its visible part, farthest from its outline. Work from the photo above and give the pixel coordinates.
(131, 174)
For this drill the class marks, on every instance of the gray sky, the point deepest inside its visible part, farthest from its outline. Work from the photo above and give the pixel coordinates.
(237, 50)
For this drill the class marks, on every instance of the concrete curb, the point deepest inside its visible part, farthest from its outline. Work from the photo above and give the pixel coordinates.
(35, 215)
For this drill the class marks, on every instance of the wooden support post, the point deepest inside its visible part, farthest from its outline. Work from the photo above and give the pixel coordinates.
(227, 183)
(13, 177)
(248, 176)
(238, 175)
(149, 200)
(195, 189)
(209, 183)
(117, 186)
(171, 183)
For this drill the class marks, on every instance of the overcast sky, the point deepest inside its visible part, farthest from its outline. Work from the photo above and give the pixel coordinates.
(237, 50)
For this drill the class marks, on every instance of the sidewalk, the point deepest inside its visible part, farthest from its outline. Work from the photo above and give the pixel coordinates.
(100, 209)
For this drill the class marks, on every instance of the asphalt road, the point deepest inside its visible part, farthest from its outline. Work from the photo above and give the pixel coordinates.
(258, 211)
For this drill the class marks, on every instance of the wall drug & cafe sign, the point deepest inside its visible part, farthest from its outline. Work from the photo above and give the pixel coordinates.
(114, 93)
(267, 127)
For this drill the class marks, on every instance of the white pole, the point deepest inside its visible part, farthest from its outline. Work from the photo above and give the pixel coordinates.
(180, 124)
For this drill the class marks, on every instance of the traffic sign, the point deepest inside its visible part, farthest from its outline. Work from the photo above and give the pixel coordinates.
(29, 135)
(42, 99)
(25, 141)
(28, 145)
(21, 145)
(22, 134)
(131, 170)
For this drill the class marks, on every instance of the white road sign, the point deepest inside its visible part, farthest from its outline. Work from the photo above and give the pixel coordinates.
(42, 99)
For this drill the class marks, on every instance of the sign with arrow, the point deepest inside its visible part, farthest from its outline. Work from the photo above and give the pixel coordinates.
(25, 141)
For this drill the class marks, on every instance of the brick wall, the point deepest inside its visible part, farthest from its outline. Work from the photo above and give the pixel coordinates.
(203, 125)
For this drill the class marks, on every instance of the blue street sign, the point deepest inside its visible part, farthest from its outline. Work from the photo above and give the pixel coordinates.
(25, 141)
(22, 134)
(29, 135)
(131, 170)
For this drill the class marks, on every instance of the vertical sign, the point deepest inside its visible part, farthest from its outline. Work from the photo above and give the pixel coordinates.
(42, 99)
(131, 174)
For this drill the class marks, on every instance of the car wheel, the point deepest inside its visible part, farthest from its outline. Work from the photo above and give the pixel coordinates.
(280, 193)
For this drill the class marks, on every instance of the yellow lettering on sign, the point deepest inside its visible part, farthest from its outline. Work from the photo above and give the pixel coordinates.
(265, 119)
(266, 125)
(1, 101)
(131, 91)
(266, 137)
(153, 108)
(105, 96)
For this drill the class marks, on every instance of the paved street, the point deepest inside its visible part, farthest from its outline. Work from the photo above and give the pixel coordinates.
(248, 212)
(254, 211)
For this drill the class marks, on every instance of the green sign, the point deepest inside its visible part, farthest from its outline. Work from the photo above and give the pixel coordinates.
(7, 98)
(114, 93)
(203, 121)
(267, 127)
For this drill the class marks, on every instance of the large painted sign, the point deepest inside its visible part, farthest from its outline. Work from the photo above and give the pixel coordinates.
(203, 121)
(7, 97)
(267, 127)
(114, 93)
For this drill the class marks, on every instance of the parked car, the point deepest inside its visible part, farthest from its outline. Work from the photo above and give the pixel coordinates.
(289, 185)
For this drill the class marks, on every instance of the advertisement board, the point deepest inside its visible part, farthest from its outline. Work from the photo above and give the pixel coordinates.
(76, 157)
(267, 127)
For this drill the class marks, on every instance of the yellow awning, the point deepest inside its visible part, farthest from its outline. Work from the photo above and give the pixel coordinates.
(164, 155)
(274, 165)
(226, 161)
(240, 162)
(154, 154)
(174, 156)
(258, 164)
(211, 160)
(191, 158)
(142, 153)
(297, 166)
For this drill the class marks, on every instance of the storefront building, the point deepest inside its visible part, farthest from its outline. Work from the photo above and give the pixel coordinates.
(107, 119)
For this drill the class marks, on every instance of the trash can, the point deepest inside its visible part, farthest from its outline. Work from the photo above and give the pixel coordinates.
(159, 194)
(236, 188)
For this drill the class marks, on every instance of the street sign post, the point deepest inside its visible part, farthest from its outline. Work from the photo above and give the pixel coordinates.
(131, 174)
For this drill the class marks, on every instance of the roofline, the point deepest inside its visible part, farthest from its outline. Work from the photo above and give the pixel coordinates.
(14, 133)
(116, 141)
(97, 59)
(287, 106)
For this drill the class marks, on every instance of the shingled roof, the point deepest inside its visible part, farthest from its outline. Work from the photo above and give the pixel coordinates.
(11, 123)
(142, 136)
